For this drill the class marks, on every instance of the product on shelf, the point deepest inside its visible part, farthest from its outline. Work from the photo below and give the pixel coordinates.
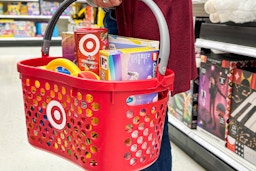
(119, 42)
(215, 90)
(33, 8)
(49, 8)
(41, 27)
(20, 8)
(88, 43)
(184, 106)
(6, 28)
(1, 8)
(23, 8)
(13, 8)
(128, 64)
(242, 123)
(84, 15)
(24, 29)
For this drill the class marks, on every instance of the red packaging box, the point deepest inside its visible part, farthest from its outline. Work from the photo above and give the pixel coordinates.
(88, 42)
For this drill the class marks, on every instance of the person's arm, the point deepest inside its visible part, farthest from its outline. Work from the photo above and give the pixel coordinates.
(104, 3)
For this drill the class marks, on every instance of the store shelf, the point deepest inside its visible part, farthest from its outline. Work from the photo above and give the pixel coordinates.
(204, 140)
(198, 8)
(226, 47)
(19, 0)
(198, 1)
(27, 41)
(34, 17)
(27, 38)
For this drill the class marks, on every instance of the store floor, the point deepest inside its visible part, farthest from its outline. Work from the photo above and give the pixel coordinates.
(16, 153)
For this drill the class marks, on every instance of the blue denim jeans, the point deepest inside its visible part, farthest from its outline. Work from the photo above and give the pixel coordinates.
(110, 21)
(164, 161)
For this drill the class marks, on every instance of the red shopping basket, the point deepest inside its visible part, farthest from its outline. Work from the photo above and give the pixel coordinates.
(88, 121)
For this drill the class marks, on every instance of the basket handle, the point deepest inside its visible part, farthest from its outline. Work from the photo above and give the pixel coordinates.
(163, 29)
(50, 26)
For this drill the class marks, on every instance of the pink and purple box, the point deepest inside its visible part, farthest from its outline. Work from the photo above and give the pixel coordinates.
(130, 64)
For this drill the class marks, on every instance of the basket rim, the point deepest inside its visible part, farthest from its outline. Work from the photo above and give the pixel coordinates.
(30, 67)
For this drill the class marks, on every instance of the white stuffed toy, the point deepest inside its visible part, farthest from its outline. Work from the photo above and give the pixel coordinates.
(237, 11)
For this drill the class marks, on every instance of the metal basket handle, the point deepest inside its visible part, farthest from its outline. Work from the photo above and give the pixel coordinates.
(163, 28)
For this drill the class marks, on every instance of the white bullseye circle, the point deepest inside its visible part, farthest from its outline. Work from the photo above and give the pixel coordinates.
(56, 115)
(89, 44)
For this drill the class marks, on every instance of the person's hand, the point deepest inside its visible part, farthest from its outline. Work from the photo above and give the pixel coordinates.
(107, 3)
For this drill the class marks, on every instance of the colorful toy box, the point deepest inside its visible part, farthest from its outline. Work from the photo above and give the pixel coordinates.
(128, 64)
(24, 8)
(49, 7)
(88, 43)
(33, 8)
(6, 28)
(24, 29)
(68, 46)
(13, 8)
(215, 90)
(183, 106)
(242, 125)
(1, 8)
(120, 42)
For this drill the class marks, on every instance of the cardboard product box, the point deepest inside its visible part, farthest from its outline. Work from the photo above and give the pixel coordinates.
(242, 124)
(215, 90)
(88, 43)
(184, 106)
(24, 29)
(68, 46)
(120, 42)
(33, 8)
(6, 28)
(128, 64)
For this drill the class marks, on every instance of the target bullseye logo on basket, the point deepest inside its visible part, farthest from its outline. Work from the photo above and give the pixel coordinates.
(56, 114)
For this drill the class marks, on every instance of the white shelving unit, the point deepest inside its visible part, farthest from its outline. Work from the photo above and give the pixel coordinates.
(31, 17)
(19, 0)
(213, 146)
(28, 39)
(199, 135)
(17, 41)
(227, 47)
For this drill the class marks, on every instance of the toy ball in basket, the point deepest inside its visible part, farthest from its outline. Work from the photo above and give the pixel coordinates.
(87, 121)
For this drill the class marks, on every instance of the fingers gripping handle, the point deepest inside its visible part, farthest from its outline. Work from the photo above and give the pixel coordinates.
(163, 28)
